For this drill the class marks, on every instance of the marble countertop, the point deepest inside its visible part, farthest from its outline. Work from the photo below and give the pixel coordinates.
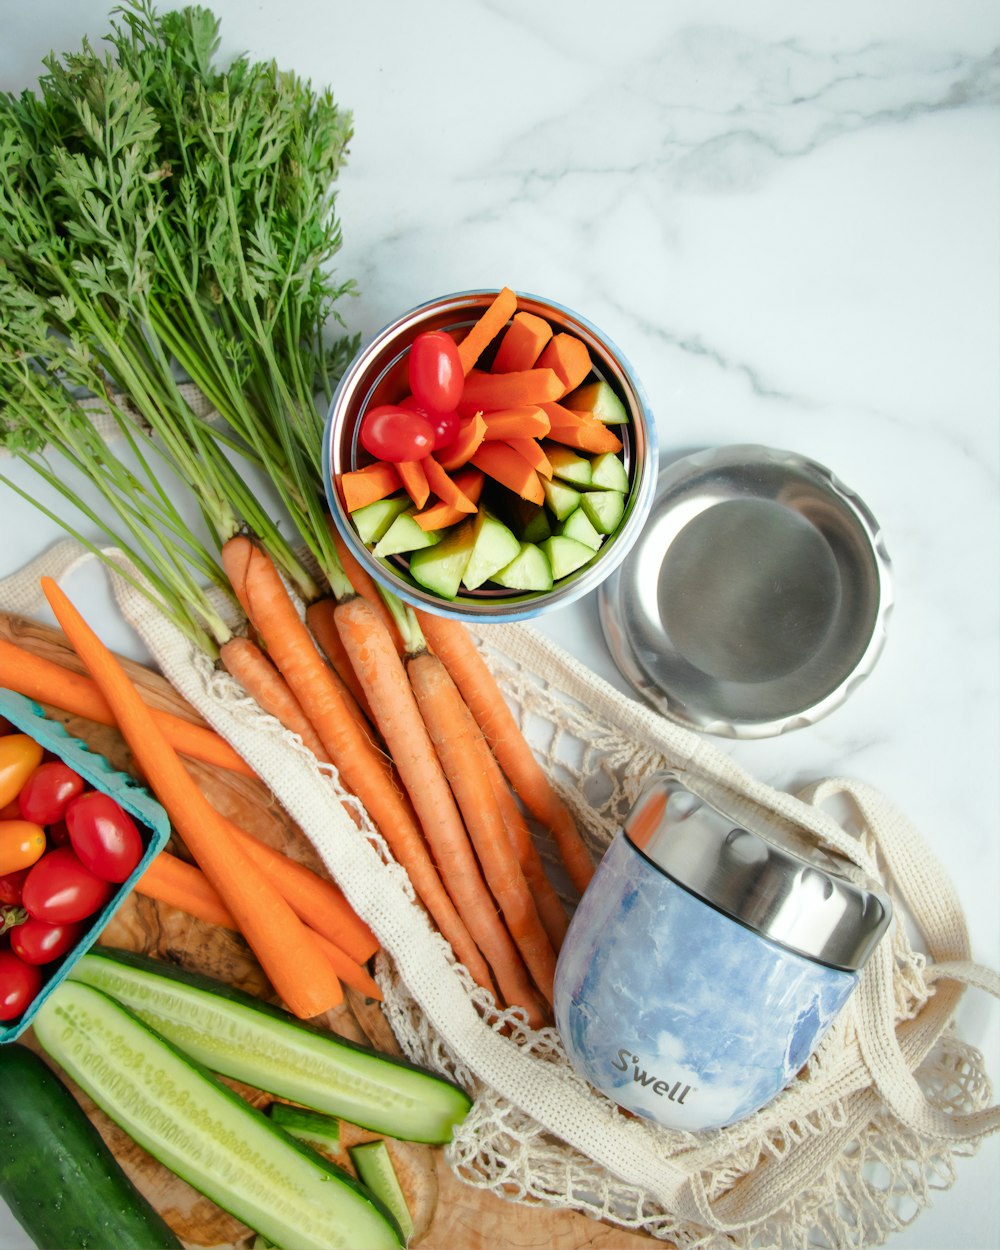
(786, 216)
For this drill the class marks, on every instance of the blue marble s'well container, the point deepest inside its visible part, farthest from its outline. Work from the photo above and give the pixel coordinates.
(705, 962)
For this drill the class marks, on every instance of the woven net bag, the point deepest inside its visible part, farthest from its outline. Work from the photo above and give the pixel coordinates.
(848, 1152)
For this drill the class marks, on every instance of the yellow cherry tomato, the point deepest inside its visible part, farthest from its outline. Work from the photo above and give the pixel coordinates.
(19, 757)
(21, 845)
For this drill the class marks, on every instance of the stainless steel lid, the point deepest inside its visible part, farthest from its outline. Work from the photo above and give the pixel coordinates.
(796, 900)
(756, 597)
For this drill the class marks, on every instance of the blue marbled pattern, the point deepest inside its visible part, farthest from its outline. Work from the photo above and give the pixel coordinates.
(676, 1011)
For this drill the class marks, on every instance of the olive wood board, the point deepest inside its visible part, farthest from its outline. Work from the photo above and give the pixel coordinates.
(448, 1214)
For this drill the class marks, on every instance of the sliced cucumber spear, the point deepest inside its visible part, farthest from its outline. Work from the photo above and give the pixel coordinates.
(373, 1164)
(313, 1127)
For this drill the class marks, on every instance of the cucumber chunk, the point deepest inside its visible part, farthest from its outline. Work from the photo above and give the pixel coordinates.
(441, 568)
(608, 472)
(313, 1127)
(600, 400)
(529, 570)
(579, 526)
(373, 1164)
(240, 1037)
(494, 546)
(374, 519)
(567, 465)
(560, 497)
(604, 509)
(403, 535)
(204, 1132)
(566, 555)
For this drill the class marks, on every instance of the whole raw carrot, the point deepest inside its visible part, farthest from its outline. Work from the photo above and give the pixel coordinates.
(251, 668)
(452, 642)
(463, 752)
(363, 769)
(381, 671)
(363, 583)
(322, 626)
(47, 682)
(297, 968)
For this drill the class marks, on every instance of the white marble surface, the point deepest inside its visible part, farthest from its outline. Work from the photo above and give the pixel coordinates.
(786, 215)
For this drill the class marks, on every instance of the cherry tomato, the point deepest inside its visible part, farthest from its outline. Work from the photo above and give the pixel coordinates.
(104, 837)
(47, 792)
(39, 943)
(22, 843)
(19, 983)
(12, 811)
(444, 424)
(391, 433)
(12, 886)
(19, 757)
(435, 371)
(59, 888)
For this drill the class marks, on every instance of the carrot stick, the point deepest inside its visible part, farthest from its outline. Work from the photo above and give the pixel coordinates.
(182, 885)
(382, 673)
(361, 580)
(319, 618)
(487, 328)
(439, 515)
(297, 968)
(462, 750)
(453, 643)
(569, 357)
(47, 682)
(445, 488)
(471, 433)
(507, 466)
(522, 344)
(251, 668)
(490, 392)
(364, 486)
(363, 768)
(580, 430)
(525, 421)
(532, 451)
(414, 479)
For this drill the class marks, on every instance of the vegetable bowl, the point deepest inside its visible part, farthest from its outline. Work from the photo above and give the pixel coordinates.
(522, 497)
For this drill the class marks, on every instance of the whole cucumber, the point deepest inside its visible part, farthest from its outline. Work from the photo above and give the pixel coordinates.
(58, 1177)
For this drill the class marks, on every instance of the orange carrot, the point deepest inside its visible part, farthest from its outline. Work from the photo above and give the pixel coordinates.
(491, 391)
(363, 768)
(414, 479)
(297, 968)
(251, 668)
(522, 343)
(569, 358)
(533, 452)
(580, 430)
(487, 328)
(322, 626)
(362, 581)
(445, 488)
(452, 642)
(396, 713)
(508, 467)
(527, 421)
(439, 515)
(47, 682)
(463, 753)
(471, 433)
(364, 486)
(182, 885)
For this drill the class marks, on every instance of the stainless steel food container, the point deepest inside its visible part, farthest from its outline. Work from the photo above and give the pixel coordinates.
(378, 375)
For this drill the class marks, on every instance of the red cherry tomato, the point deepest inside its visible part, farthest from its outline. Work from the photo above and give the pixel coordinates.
(391, 433)
(39, 943)
(12, 886)
(19, 983)
(47, 792)
(444, 424)
(435, 371)
(19, 757)
(60, 889)
(104, 837)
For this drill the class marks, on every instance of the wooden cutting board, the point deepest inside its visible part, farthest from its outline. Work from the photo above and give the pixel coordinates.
(449, 1215)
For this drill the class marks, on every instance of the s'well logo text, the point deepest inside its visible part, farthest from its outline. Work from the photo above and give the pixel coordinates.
(640, 1076)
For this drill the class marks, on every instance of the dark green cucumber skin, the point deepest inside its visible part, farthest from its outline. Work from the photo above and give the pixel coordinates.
(60, 1180)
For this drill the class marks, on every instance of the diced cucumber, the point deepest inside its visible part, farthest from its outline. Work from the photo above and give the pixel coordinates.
(600, 400)
(567, 465)
(441, 568)
(604, 509)
(403, 535)
(538, 527)
(560, 497)
(240, 1037)
(313, 1127)
(566, 555)
(579, 526)
(373, 1164)
(494, 546)
(529, 570)
(608, 472)
(374, 519)
(204, 1132)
